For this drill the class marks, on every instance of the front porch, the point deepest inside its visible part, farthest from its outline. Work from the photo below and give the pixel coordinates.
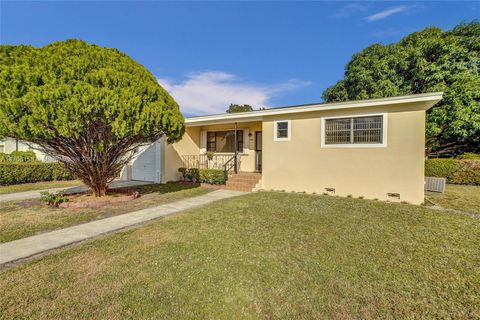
(213, 161)
(235, 148)
(230, 165)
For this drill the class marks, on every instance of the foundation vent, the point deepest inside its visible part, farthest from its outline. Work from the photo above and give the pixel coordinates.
(393, 196)
(330, 190)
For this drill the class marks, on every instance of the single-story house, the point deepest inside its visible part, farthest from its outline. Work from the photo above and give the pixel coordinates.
(367, 148)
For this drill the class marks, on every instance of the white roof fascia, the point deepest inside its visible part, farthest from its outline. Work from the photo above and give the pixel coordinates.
(430, 99)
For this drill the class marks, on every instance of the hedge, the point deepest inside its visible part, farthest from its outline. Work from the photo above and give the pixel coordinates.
(455, 171)
(18, 156)
(26, 172)
(469, 156)
(212, 176)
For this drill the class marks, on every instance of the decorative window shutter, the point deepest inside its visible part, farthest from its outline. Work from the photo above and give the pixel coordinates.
(246, 141)
(203, 142)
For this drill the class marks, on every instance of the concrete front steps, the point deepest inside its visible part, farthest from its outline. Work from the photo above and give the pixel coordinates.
(243, 181)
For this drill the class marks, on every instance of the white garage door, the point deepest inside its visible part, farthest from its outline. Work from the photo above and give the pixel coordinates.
(146, 164)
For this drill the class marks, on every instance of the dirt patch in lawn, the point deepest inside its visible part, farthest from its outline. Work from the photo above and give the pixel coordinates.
(88, 200)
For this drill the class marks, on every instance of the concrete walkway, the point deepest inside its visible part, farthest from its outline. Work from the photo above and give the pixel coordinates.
(35, 194)
(31, 246)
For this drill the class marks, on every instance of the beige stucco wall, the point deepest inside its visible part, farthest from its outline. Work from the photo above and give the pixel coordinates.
(302, 165)
(190, 144)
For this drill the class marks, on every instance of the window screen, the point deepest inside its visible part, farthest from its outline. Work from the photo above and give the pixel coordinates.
(224, 141)
(282, 129)
(355, 130)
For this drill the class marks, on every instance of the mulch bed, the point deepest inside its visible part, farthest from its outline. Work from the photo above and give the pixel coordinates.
(93, 202)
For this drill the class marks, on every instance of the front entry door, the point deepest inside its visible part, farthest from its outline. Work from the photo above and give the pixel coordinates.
(258, 151)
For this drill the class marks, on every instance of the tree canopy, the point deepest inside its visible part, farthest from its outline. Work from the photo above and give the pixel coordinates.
(234, 108)
(426, 61)
(85, 105)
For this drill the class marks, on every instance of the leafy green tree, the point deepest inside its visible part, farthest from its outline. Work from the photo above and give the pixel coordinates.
(234, 108)
(86, 106)
(425, 61)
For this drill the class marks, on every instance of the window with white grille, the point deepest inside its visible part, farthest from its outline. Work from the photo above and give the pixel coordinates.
(362, 130)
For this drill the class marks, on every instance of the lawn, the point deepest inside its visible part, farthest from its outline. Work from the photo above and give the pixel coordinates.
(263, 255)
(20, 219)
(457, 197)
(39, 186)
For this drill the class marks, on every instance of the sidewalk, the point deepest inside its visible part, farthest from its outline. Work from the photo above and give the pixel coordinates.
(31, 246)
(35, 194)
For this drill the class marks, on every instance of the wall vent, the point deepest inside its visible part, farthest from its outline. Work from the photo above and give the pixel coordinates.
(330, 190)
(393, 196)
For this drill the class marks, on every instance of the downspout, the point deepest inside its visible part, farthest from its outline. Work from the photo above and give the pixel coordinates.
(235, 164)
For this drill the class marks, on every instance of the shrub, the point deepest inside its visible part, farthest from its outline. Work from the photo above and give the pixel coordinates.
(53, 199)
(193, 174)
(455, 171)
(18, 156)
(183, 171)
(26, 172)
(444, 168)
(469, 156)
(469, 173)
(23, 156)
(212, 176)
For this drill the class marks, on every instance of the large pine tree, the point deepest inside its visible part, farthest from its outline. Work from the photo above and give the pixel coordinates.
(84, 105)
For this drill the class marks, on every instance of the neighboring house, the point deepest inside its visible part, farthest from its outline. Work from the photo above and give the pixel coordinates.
(368, 148)
(8, 145)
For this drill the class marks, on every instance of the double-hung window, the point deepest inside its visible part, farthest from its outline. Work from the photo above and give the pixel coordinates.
(357, 131)
(224, 141)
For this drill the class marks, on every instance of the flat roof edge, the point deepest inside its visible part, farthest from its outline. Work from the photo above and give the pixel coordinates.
(433, 97)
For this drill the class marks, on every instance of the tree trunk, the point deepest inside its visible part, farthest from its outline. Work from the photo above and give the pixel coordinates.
(95, 163)
(97, 183)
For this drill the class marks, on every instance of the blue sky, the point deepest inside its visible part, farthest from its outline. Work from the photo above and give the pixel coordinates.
(209, 54)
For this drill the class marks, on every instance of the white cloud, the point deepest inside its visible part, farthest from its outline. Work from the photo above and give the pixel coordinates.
(212, 92)
(386, 13)
(348, 10)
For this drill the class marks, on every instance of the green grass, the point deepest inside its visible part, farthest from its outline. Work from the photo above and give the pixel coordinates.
(20, 219)
(38, 186)
(264, 255)
(457, 197)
